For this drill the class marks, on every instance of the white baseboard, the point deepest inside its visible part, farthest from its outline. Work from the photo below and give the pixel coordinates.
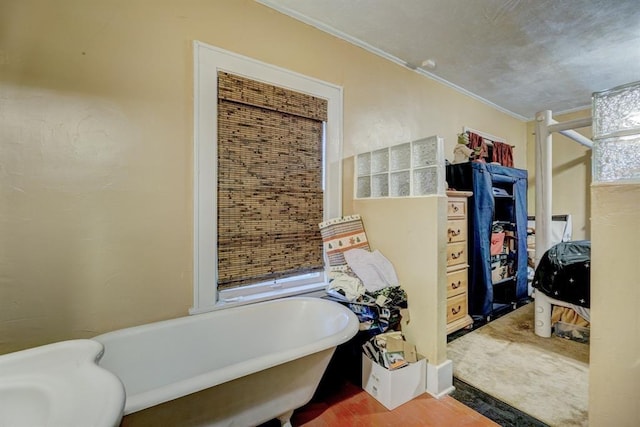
(440, 379)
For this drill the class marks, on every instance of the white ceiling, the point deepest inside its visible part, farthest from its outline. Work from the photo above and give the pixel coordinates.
(522, 56)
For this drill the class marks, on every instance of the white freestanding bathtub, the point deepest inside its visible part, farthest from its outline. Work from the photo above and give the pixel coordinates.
(240, 366)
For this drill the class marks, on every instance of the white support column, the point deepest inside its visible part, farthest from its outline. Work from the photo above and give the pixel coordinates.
(542, 316)
(543, 212)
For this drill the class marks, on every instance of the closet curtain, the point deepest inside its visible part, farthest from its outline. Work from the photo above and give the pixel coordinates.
(481, 178)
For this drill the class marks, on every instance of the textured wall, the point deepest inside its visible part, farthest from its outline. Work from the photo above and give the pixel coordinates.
(96, 127)
(614, 374)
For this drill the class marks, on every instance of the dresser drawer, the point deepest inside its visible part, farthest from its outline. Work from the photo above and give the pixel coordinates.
(457, 208)
(456, 307)
(456, 253)
(457, 257)
(456, 230)
(457, 282)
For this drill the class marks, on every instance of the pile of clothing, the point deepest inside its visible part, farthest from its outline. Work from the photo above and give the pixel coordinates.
(368, 285)
(363, 280)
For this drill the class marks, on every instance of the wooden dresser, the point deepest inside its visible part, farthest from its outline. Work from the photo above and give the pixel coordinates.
(457, 267)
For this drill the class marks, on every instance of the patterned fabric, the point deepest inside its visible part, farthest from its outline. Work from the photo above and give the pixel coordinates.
(500, 152)
(503, 154)
(564, 272)
(340, 235)
(395, 295)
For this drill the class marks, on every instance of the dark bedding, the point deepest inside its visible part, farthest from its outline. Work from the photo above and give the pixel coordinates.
(564, 272)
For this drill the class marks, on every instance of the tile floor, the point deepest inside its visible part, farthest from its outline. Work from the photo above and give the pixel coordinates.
(351, 406)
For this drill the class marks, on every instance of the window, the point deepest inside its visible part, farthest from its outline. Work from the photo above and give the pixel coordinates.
(208, 63)
(270, 195)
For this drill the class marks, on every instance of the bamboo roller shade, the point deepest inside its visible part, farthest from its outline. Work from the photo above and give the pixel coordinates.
(270, 195)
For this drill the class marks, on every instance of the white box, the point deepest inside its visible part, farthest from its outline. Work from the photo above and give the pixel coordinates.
(393, 388)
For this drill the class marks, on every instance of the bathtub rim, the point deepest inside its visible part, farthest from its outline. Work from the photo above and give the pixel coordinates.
(156, 396)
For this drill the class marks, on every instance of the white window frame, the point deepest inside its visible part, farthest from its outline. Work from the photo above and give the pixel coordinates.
(208, 60)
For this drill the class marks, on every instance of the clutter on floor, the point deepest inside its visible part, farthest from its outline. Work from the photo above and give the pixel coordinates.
(392, 371)
(572, 332)
(568, 323)
(379, 311)
(365, 281)
(390, 350)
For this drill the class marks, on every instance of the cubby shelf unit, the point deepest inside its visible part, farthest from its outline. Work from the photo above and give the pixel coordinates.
(413, 168)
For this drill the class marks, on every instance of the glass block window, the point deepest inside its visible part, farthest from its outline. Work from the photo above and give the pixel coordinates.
(616, 131)
(409, 169)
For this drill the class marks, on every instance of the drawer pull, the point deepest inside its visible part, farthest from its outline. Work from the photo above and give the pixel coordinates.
(454, 233)
(456, 311)
(456, 255)
(455, 285)
(455, 208)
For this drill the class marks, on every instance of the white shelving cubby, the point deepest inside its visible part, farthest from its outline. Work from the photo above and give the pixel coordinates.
(409, 169)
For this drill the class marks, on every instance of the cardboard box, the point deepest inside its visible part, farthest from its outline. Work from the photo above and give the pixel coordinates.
(392, 388)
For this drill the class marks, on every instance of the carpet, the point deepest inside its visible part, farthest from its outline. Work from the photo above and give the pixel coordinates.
(546, 378)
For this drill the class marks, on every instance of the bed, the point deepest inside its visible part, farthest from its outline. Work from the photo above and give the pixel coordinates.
(561, 281)
(563, 277)
(545, 127)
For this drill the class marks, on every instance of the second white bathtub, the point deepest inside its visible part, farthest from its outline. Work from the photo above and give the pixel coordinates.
(235, 367)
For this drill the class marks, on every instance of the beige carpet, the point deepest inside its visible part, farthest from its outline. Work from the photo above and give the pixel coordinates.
(546, 378)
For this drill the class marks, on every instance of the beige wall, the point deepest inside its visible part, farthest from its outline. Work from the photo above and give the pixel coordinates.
(96, 160)
(409, 233)
(614, 374)
(571, 171)
(96, 139)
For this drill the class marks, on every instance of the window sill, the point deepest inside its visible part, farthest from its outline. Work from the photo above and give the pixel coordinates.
(313, 289)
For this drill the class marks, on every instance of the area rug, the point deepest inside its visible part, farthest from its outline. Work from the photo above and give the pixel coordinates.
(547, 378)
